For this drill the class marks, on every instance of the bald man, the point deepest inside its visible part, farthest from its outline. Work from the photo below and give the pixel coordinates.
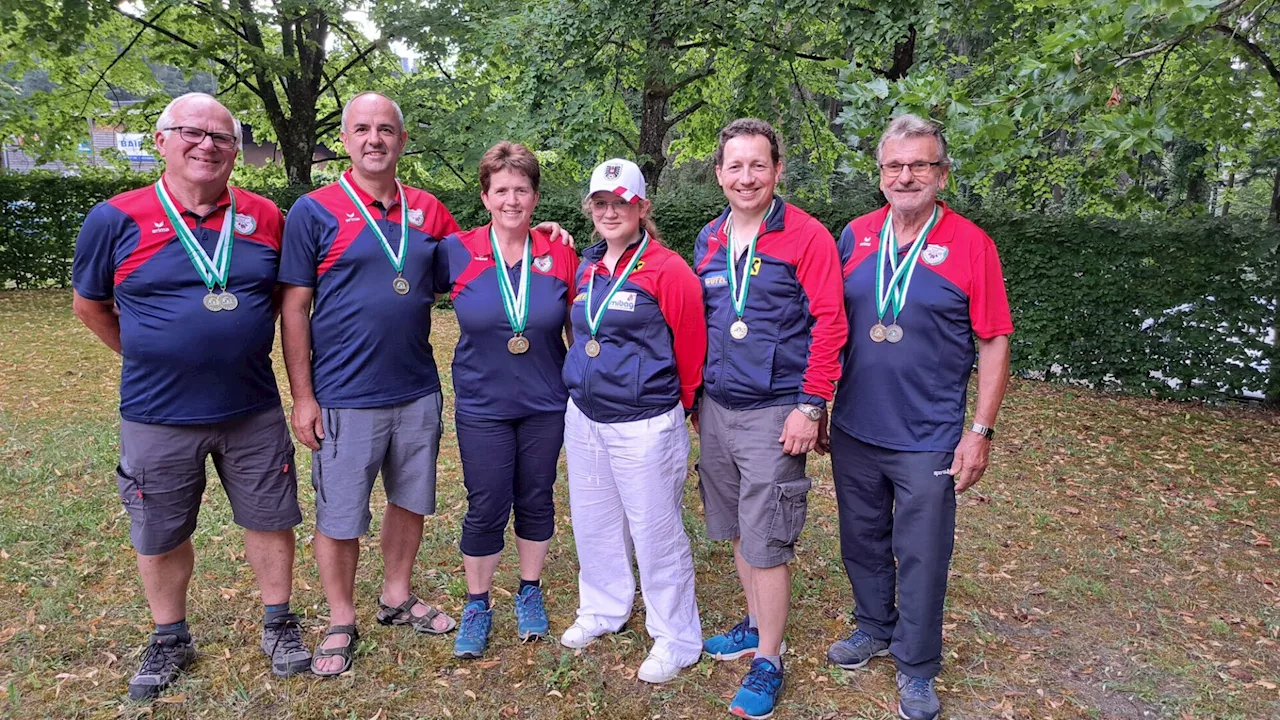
(156, 280)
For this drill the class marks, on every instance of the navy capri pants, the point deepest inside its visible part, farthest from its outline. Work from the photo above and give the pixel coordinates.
(508, 465)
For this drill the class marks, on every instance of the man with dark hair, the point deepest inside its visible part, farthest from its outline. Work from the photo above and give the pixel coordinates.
(920, 282)
(771, 281)
(156, 280)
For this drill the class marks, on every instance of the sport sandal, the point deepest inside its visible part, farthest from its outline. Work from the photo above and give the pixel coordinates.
(402, 614)
(346, 652)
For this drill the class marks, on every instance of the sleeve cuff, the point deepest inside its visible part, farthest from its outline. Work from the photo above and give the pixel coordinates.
(812, 400)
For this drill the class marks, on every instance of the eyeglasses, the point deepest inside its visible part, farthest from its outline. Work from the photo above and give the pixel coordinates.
(195, 136)
(917, 168)
(601, 207)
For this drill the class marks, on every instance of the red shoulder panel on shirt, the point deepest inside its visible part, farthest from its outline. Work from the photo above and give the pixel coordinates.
(154, 231)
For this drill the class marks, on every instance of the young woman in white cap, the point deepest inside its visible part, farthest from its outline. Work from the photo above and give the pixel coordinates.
(635, 365)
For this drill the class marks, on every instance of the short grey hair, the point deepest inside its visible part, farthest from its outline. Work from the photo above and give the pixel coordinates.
(394, 104)
(909, 126)
(165, 121)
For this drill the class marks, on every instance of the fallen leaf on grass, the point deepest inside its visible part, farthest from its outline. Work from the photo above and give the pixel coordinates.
(1070, 510)
(470, 693)
(1266, 684)
(555, 693)
(172, 699)
(488, 664)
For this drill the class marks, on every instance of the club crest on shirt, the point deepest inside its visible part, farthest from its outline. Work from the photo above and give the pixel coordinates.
(159, 227)
(624, 301)
(611, 172)
(416, 217)
(934, 254)
(715, 280)
(245, 224)
(542, 263)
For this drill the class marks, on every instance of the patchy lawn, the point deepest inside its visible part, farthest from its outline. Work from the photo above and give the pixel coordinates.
(1116, 562)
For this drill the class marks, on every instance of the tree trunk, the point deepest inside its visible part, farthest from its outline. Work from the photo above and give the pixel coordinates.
(653, 134)
(1226, 196)
(1274, 217)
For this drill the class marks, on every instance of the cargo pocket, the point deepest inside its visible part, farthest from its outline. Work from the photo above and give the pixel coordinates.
(789, 511)
(130, 486)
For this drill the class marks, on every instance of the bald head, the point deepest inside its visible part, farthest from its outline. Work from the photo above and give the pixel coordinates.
(198, 104)
(372, 103)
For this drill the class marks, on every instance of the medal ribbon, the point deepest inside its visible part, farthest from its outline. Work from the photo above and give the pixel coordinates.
(900, 279)
(213, 271)
(397, 259)
(593, 323)
(515, 305)
(740, 297)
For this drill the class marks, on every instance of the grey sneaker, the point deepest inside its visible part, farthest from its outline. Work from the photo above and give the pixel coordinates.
(165, 658)
(917, 699)
(856, 650)
(282, 642)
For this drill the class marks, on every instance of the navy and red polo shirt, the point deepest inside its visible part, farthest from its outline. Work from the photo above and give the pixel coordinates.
(184, 365)
(653, 337)
(488, 381)
(911, 395)
(794, 313)
(370, 346)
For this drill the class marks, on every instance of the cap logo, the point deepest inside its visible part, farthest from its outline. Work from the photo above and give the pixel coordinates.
(612, 172)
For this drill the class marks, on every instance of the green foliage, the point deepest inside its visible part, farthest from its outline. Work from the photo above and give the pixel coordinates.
(1173, 308)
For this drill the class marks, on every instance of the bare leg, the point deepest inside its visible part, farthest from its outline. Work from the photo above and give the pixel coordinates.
(480, 571)
(401, 538)
(271, 555)
(773, 601)
(165, 579)
(532, 555)
(746, 577)
(337, 560)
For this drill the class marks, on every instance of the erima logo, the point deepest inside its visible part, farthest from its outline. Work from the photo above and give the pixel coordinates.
(481, 258)
(159, 228)
(866, 242)
(714, 280)
(351, 217)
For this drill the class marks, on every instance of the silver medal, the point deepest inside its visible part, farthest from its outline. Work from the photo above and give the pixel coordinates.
(400, 285)
(211, 303)
(738, 330)
(227, 301)
(893, 333)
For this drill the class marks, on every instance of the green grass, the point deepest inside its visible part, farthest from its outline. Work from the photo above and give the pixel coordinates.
(1117, 561)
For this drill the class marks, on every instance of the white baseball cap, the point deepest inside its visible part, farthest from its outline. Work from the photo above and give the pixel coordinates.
(620, 177)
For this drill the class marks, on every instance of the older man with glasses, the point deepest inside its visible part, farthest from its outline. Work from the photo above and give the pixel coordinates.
(920, 284)
(156, 279)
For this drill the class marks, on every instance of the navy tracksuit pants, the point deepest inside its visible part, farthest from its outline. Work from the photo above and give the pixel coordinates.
(892, 505)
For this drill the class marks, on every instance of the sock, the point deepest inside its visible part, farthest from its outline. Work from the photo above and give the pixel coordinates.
(271, 612)
(775, 659)
(751, 622)
(483, 597)
(529, 583)
(179, 628)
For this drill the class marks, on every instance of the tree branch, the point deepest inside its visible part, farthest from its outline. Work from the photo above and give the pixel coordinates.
(1223, 10)
(1253, 49)
(625, 140)
(187, 43)
(690, 80)
(102, 76)
(675, 119)
(350, 64)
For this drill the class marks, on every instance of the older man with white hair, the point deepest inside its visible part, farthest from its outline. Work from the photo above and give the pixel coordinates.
(156, 279)
(920, 284)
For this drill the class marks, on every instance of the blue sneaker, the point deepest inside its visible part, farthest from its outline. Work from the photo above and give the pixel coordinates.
(759, 692)
(741, 639)
(917, 700)
(473, 631)
(856, 650)
(531, 615)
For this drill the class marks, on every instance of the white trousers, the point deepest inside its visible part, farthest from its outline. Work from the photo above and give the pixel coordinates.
(626, 483)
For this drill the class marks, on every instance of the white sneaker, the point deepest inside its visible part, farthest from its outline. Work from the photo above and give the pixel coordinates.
(579, 636)
(657, 671)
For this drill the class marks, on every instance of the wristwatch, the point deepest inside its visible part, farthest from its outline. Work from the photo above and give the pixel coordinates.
(983, 430)
(813, 412)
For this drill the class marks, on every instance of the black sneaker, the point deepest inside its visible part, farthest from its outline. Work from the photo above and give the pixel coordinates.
(166, 657)
(282, 642)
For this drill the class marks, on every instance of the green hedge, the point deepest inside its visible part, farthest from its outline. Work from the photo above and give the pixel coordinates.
(1173, 308)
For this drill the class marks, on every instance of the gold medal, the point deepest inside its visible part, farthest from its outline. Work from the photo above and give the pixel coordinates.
(738, 330)
(893, 333)
(592, 348)
(211, 303)
(878, 333)
(518, 345)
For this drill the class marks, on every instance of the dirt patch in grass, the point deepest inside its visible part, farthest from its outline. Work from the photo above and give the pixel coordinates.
(1118, 561)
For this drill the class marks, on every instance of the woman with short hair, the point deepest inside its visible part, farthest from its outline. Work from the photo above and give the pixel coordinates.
(511, 292)
(633, 370)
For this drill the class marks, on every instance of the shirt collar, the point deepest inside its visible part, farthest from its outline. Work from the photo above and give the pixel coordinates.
(365, 197)
(223, 201)
(942, 233)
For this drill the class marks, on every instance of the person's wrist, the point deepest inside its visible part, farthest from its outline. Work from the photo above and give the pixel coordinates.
(812, 412)
(985, 431)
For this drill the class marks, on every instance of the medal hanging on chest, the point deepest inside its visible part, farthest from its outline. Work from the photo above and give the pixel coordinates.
(515, 303)
(213, 271)
(400, 285)
(593, 347)
(894, 292)
(738, 287)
